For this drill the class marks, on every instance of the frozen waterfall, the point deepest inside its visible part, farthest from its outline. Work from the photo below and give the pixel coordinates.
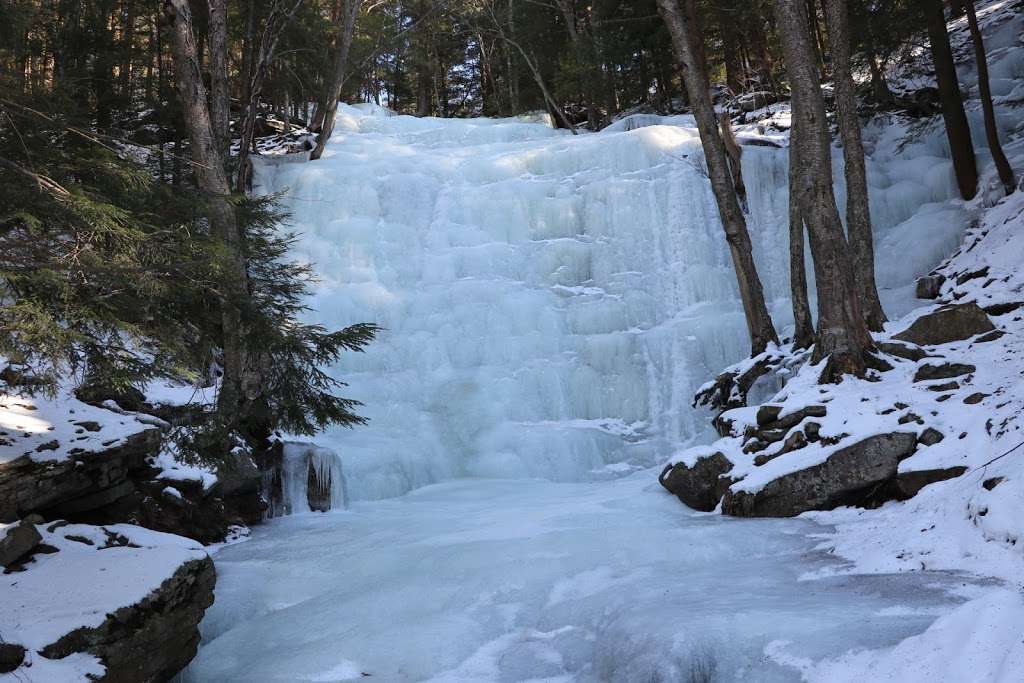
(550, 302)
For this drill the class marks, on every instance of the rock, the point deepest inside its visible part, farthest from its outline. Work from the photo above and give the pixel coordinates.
(847, 477)
(992, 482)
(930, 437)
(929, 286)
(27, 485)
(794, 418)
(974, 398)
(752, 101)
(910, 417)
(11, 657)
(700, 486)
(238, 475)
(18, 542)
(1004, 308)
(902, 351)
(910, 483)
(990, 337)
(929, 372)
(972, 275)
(153, 639)
(946, 386)
(948, 324)
(768, 413)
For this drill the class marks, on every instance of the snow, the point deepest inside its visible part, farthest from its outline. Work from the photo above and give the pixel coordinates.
(479, 580)
(80, 585)
(53, 428)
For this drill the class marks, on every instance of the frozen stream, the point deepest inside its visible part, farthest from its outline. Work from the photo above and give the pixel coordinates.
(500, 580)
(550, 304)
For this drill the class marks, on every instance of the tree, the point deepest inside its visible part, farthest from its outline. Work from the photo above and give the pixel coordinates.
(858, 210)
(958, 131)
(803, 334)
(985, 92)
(243, 369)
(327, 105)
(842, 335)
(681, 19)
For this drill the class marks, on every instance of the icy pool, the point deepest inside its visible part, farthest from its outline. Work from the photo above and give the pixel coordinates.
(486, 581)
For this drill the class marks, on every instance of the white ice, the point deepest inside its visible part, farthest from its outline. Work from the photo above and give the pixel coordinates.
(550, 304)
(500, 580)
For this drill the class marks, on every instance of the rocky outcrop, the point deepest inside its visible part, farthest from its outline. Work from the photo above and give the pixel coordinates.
(948, 324)
(77, 484)
(151, 640)
(847, 477)
(700, 486)
(933, 371)
(929, 286)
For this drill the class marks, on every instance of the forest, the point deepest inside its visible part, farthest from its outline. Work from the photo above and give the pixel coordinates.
(477, 272)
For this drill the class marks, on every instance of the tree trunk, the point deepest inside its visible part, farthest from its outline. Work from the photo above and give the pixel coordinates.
(220, 96)
(803, 335)
(985, 92)
(732, 148)
(681, 19)
(958, 131)
(328, 104)
(842, 334)
(242, 381)
(858, 210)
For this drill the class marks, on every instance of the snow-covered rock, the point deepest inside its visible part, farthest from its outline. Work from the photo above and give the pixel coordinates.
(118, 602)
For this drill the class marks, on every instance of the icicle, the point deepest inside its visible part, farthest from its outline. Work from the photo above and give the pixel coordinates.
(311, 479)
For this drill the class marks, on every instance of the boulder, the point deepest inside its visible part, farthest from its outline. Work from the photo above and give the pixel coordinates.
(929, 286)
(927, 373)
(238, 475)
(902, 351)
(700, 486)
(19, 541)
(847, 477)
(948, 324)
(910, 483)
(11, 657)
(930, 436)
(153, 639)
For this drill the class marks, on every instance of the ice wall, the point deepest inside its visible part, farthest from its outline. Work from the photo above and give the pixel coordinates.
(550, 302)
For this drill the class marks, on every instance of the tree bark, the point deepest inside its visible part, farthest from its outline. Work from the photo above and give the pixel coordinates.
(985, 91)
(858, 210)
(329, 101)
(242, 381)
(681, 19)
(732, 148)
(220, 96)
(842, 336)
(803, 335)
(958, 131)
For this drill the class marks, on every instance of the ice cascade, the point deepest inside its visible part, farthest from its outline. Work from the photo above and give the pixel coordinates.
(550, 302)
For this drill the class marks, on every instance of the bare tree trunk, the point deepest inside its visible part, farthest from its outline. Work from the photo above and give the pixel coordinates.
(958, 131)
(842, 334)
(328, 103)
(242, 382)
(220, 96)
(732, 148)
(803, 335)
(985, 92)
(858, 210)
(681, 19)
